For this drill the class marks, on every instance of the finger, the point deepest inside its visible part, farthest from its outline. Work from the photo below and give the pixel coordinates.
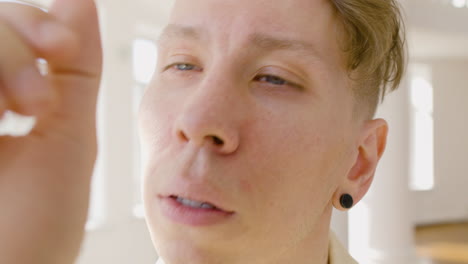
(46, 36)
(3, 105)
(26, 90)
(81, 75)
(68, 38)
(81, 17)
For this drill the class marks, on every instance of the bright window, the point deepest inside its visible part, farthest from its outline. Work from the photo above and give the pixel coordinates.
(144, 60)
(144, 64)
(97, 206)
(460, 3)
(422, 128)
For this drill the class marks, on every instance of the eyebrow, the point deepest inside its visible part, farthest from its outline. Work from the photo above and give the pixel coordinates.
(261, 41)
(271, 43)
(179, 31)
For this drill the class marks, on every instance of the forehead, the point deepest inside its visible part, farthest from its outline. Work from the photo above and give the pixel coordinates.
(291, 18)
(302, 35)
(236, 22)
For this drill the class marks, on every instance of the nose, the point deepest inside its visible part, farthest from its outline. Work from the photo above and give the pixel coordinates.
(222, 144)
(210, 118)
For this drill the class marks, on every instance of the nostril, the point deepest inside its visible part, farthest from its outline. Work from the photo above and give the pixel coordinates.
(217, 141)
(183, 136)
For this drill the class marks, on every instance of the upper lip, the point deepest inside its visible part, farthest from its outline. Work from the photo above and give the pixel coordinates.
(198, 193)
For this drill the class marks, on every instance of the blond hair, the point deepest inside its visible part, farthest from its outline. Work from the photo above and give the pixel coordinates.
(375, 48)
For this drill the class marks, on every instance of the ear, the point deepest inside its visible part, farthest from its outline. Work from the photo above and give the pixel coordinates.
(370, 148)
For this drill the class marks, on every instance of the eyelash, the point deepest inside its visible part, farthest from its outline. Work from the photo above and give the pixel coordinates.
(176, 65)
(268, 77)
(273, 79)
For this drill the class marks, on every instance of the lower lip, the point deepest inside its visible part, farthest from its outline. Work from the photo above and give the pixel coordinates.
(186, 215)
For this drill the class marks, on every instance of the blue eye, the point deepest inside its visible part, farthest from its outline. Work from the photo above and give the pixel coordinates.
(275, 80)
(184, 67)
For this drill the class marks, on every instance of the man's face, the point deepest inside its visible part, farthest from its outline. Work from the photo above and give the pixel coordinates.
(249, 110)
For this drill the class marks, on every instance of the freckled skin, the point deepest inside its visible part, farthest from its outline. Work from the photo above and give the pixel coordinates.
(286, 150)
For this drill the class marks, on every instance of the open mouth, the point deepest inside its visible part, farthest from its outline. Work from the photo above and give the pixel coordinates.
(193, 212)
(194, 204)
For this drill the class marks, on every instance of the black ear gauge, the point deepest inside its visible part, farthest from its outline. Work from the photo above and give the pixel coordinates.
(346, 201)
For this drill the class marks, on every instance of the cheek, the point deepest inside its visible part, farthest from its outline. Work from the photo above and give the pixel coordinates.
(293, 163)
(246, 186)
(288, 188)
(156, 121)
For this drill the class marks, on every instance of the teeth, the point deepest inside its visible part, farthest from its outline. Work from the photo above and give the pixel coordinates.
(207, 206)
(194, 204)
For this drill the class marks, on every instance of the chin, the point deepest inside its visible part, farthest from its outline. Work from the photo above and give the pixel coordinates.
(177, 243)
(186, 252)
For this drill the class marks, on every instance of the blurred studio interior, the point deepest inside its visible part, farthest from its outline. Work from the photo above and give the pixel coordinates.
(417, 208)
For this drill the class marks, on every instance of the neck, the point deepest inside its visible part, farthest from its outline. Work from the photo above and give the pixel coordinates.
(313, 249)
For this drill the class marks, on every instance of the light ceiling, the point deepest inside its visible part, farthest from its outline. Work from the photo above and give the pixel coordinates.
(429, 44)
(436, 29)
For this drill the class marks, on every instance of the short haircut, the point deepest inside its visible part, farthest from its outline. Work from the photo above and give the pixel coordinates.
(374, 47)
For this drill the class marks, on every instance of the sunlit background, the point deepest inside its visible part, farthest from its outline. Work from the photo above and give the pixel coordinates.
(415, 210)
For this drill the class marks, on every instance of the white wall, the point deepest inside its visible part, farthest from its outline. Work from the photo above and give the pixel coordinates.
(439, 36)
(125, 243)
(121, 238)
(448, 201)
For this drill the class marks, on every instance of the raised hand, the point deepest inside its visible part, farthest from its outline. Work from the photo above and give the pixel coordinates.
(45, 176)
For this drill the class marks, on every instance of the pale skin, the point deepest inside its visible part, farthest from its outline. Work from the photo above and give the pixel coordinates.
(45, 177)
(253, 103)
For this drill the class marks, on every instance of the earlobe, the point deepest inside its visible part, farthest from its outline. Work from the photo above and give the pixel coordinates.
(346, 201)
(370, 149)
